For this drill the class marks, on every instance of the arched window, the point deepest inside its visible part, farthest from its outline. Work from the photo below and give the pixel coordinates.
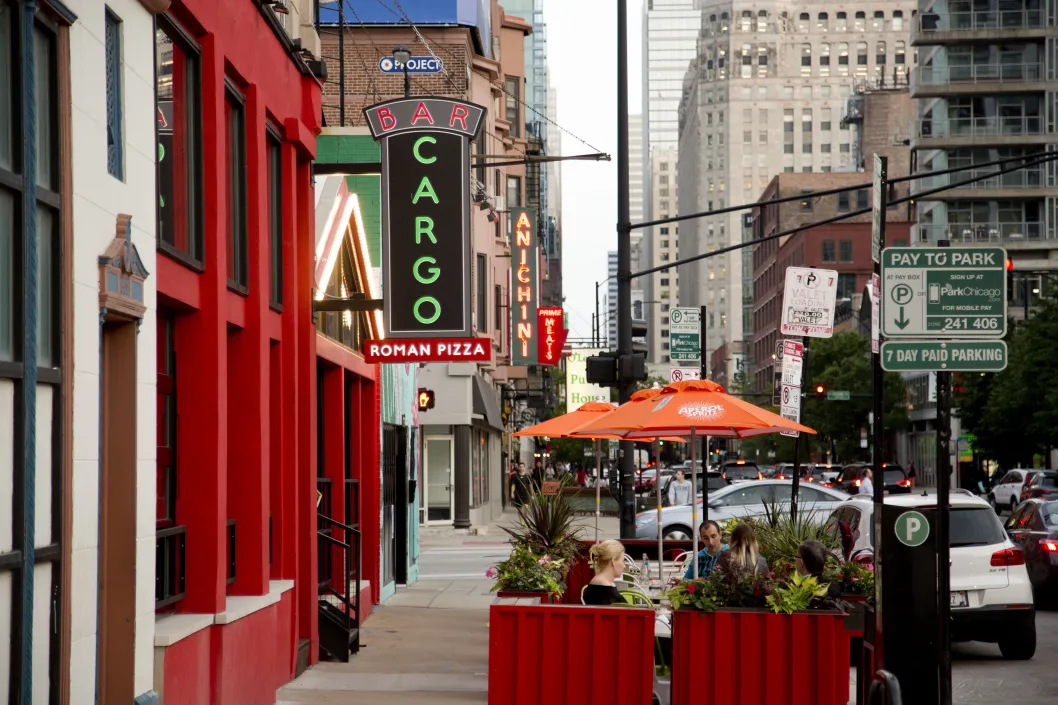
(802, 22)
(824, 59)
(861, 58)
(747, 61)
(898, 20)
(842, 22)
(725, 21)
(879, 53)
(712, 24)
(822, 22)
(806, 59)
(762, 21)
(878, 23)
(900, 53)
(843, 59)
(762, 61)
(860, 22)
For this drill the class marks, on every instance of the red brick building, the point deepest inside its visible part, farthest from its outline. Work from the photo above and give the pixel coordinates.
(844, 247)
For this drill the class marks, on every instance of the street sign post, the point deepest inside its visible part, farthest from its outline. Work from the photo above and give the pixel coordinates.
(790, 396)
(678, 374)
(685, 334)
(839, 396)
(950, 356)
(808, 302)
(875, 313)
(944, 292)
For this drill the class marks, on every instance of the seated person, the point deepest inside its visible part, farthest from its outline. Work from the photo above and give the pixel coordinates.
(811, 560)
(743, 557)
(608, 561)
(709, 533)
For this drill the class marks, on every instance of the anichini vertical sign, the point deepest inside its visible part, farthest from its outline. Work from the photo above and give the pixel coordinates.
(525, 286)
(426, 246)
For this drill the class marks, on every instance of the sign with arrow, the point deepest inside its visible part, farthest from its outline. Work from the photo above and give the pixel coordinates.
(944, 292)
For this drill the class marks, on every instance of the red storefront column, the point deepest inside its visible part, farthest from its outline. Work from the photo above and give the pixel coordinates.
(201, 378)
(334, 461)
(308, 628)
(355, 461)
(285, 491)
(371, 484)
(248, 456)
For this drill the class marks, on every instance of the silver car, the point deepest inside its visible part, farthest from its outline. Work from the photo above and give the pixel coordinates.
(746, 499)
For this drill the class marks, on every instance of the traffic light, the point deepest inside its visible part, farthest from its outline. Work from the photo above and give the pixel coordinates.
(426, 399)
(821, 391)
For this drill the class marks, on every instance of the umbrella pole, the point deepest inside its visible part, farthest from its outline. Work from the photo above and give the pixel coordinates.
(657, 485)
(598, 483)
(694, 505)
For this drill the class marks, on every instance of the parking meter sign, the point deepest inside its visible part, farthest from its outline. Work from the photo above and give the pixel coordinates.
(911, 529)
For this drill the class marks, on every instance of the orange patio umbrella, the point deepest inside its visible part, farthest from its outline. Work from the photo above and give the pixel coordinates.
(689, 409)
(562, 426)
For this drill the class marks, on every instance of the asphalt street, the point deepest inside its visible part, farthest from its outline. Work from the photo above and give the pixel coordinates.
(466, 562)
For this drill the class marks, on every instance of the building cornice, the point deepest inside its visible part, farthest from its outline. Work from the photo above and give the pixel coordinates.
(156, 7)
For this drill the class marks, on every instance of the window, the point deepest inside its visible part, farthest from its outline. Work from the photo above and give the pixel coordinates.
(787, 120)
(747, 137)
(843, 58)
(806, 119)
(275, 219)
(845, 251)
(824, 59)
(513, 83)
(861, 199)
(828, 251)
(482, 276)
(898, 20)
(514, 192)
(879, 55)
(860, 22)
(843, 202)
(822, 22)
(878, 22)
(842, 22)
(497, 312)
(235, 117)
(803, 20)
(664, 282)
(178, 86)
(115, 135)
(861, 58)
(900, 53)
(825, 148)
(806, 59)
(806, 148)
(806, 201)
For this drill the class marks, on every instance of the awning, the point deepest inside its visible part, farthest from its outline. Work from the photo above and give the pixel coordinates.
(485, 404)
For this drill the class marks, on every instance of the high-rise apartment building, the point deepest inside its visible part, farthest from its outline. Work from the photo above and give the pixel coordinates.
(636, 187)
(984, 86)
(610, 316)
(766, 94)
(658, 246)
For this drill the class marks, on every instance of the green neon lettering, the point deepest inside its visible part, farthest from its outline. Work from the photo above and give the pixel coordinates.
(425, 189)
(434, 271)
(436, 310)
(424, 226)
(415, 149)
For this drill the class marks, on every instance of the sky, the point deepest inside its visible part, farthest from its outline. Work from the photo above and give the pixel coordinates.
(582, 56)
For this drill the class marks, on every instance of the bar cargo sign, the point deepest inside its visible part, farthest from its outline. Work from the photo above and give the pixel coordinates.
(525, 286)
(426, 246)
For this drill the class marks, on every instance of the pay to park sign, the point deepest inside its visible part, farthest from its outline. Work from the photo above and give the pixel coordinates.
(426, 249)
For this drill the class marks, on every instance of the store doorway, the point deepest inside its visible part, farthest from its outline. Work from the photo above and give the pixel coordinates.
(439, 461)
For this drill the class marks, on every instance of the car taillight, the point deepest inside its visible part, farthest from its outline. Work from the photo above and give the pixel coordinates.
(857, 483)
(1049, 545)
(1008, 557)
(906, 483)
(781, 476)
(810, 479)
(827, 484)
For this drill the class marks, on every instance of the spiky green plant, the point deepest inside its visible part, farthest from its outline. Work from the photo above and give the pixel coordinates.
(779, 534)
(545, 525)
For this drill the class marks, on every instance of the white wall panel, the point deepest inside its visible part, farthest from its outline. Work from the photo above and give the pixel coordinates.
(41, 632)
(7, 476)
(45, 443)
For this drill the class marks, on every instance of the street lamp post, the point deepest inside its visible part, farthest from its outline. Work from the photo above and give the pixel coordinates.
(401, 56)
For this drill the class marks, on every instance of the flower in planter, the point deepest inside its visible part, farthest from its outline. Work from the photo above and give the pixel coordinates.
(690, 589)
(491, 572)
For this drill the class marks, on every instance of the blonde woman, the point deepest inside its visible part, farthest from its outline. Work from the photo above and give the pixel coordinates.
(743, 557)
(608, 561)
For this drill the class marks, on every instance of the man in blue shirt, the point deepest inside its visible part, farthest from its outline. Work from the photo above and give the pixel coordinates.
(709, 533)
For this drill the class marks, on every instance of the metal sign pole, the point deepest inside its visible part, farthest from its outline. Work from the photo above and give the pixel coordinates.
(694, 504)
(881, 192)
(797, 440)
(598, 484)
(704, 374)
(943, 531)
(657, 487)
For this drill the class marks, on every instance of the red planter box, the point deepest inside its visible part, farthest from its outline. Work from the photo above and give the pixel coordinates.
(756, 657)
(563, 655)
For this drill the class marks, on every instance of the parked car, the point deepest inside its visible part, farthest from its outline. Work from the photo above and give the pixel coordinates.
(991, 595)
(645, 480)
(768, 472)
(823, 473)
(743, 499)
(740, 471)
(1043, 483)
(716, 482)
(1033, 525)
(895, 479)
(1006, 493)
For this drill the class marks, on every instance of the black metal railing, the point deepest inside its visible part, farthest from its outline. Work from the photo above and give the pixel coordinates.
(170, 560)
(231, 551)
(345, 594)
(324, 558)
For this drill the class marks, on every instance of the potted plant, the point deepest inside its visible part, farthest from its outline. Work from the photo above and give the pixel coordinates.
(779, 613)
(857, 589)
(525, 574)
(545, 525)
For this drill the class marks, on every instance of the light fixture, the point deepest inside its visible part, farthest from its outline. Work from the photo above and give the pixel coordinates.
(401, 55)
(278, 7)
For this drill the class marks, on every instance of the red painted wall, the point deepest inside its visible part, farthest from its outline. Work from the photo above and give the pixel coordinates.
(187, 670)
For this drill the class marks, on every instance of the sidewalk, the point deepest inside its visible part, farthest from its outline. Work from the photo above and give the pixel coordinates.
(410, 656)
(493, 533)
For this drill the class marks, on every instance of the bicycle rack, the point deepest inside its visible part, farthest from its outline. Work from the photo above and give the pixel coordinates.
(885, 690)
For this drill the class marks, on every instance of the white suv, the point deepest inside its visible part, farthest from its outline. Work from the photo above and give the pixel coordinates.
(1006, 494)
(991, 596)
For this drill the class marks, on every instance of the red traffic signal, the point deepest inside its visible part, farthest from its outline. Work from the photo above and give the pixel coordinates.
(1010, 265)
(820, 390)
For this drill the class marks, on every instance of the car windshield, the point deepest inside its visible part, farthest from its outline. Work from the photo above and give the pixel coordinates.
(1048, 481)
(1050, 513)
(894, 476)
(973, 526)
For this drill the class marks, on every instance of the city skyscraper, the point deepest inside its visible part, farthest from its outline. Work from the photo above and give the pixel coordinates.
(767, 94)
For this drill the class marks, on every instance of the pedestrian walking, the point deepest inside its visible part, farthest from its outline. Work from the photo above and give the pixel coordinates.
(912, 473)
(521, 488)
(680, 491)
(582, 476)
(866, 484)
